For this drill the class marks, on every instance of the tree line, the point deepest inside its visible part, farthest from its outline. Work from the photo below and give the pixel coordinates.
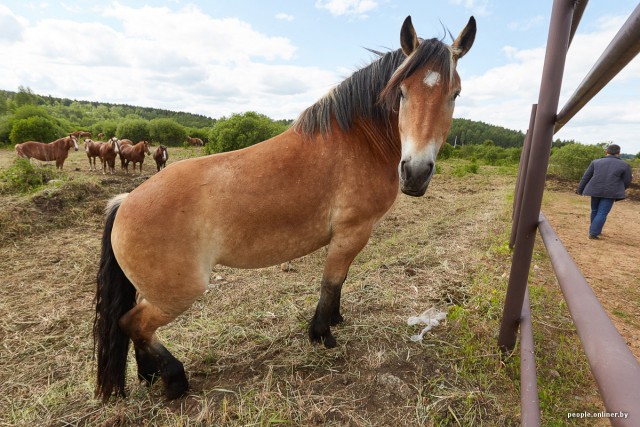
(25, 115)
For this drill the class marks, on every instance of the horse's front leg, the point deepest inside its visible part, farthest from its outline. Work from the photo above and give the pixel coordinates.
(342, 250)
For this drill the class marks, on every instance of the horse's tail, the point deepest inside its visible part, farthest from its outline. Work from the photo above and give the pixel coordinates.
(115, 295)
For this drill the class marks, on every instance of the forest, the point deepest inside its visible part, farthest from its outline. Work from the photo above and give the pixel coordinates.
(25, 115)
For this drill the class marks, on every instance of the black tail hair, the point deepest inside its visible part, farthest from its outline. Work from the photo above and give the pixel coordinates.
(115, 295)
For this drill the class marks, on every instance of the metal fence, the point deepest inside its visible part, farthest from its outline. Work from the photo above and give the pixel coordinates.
(615, 369)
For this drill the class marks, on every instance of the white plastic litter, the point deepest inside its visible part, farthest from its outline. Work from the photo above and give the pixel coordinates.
(430, 317)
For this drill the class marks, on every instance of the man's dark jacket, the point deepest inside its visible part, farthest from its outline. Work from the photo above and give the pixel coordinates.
(607, 177)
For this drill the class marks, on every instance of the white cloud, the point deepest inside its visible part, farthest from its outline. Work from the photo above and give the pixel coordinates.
(178, 59)
(284, 17)
(503, 95)
(347, 7)
(11, 26)
(527, 24)
(477, 7)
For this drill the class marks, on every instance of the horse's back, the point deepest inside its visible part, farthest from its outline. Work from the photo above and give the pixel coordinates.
(36, 150)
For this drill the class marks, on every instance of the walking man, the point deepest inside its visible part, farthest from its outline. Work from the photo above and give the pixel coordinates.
(605, 180)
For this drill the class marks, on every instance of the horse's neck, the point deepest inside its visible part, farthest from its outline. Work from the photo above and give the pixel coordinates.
(382, 139)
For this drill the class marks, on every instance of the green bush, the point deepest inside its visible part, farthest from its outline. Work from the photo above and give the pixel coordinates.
(107, 127)
(133, 129)
(35, 128)
(570, 161)
(167, 132)
(463, 169)
(22, 177)
(242, 130)
(446, 151)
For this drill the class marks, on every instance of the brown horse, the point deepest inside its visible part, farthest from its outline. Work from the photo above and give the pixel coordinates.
(324, 182)
(134, 154)
(92, 148)
(108, 152)
(195, 141)
(57, 150)
(80, 134)
(161, 155)
(123, 142)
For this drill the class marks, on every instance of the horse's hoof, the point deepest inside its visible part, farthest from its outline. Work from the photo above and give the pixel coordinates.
(325, 338)
(335, 319)
(175, 380)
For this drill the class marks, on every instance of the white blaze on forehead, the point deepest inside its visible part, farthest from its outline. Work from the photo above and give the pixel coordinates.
(432, 78)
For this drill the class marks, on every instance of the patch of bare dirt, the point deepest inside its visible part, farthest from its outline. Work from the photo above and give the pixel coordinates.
(611, 265)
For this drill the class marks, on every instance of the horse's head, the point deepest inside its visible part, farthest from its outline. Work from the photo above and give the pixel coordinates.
(427, 85)
(114, 143)
(72, 142)
(146, 147)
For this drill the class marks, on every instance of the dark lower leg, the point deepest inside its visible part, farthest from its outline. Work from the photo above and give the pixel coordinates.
(327, 314)
(155, 361)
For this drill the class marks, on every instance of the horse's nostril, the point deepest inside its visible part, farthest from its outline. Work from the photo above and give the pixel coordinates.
(405, 170)
(429, 169)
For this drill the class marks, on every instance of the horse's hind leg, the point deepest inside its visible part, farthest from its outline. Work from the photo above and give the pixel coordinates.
(342, 251)
(154, 360)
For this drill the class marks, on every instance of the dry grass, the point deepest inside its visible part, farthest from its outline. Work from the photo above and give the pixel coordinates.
(244, 343)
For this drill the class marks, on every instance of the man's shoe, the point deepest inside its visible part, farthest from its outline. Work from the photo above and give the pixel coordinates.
(591, 236)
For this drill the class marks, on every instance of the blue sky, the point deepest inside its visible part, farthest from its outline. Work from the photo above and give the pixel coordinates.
(277, 57)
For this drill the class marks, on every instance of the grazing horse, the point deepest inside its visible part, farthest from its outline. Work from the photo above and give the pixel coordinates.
(134, 154)
(324, 182)
(92, 148)
(80, 134)
(57, 150)
(161, 155)
(108, 152)
(195, 141)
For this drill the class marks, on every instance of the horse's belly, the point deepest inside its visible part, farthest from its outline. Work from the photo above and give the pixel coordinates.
(271, 248)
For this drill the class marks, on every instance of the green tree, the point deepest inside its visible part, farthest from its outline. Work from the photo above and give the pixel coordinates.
(133, 129)
(242, 130)
(34, 128)
(167, 132)
(108, 127)
(446, 151)
(25, 96)
(570, 161)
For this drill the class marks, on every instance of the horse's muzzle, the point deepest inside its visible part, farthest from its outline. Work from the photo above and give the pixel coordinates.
(415, 177)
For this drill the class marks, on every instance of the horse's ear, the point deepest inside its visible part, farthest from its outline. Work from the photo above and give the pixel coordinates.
(465, 40)
(408, 37)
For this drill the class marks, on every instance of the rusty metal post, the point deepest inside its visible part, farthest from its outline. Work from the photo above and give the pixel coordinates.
(555, 57)
(522, 173)
(614, 367)
(528, 379)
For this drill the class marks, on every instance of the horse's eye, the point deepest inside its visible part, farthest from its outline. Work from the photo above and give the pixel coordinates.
(456, 94)
(401, 94)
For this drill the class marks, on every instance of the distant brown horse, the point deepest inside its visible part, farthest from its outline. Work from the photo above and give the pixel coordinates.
(134, 154)
(57, 150)
(100, 136)
(92, 148)
(123, 142)
(80, 134)
(108, 152)
(161, 155)
(324, 182)
(195, 141)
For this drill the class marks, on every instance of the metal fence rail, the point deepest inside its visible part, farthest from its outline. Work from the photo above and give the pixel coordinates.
(614, 367)
(616, 370)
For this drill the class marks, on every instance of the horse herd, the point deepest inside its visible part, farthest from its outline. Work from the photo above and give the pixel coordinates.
(107, 152)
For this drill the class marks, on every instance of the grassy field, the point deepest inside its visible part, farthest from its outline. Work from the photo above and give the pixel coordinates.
(244, 343)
